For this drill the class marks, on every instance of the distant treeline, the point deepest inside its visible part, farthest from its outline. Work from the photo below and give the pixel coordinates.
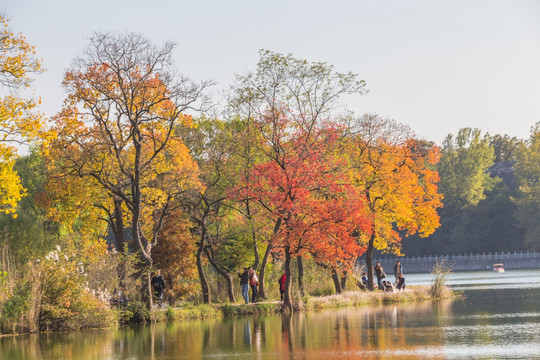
(491, 195)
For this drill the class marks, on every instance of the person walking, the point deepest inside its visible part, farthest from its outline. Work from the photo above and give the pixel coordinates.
(158, 284)
(253, 282)
(379, 273)
(244, 284)
(398, 269)
(282, 280)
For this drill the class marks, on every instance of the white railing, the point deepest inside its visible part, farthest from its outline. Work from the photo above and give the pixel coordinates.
(477, 256)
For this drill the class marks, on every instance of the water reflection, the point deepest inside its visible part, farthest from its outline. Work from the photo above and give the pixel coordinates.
(489, 323)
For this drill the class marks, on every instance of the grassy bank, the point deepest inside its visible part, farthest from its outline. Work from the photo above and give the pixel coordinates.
(364, 298)
(346, 299)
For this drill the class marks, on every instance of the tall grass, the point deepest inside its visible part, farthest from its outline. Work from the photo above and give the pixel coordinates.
(440, 273)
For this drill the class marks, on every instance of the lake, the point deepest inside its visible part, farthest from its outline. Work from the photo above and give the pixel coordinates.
(498, 318)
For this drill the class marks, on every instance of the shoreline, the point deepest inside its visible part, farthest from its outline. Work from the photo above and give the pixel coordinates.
(347, 299)
(352, 298)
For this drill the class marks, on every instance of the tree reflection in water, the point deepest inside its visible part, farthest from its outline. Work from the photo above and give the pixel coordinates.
(434, 329)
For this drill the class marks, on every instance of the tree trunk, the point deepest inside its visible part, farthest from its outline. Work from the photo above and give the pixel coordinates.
(301, 275)
(262, 289)
(149, 292)
(344, 280)
(118, 226)
(226, 276)
(369, 261)
(337, 283)
(287, 301)
(202, 276)
(253, 237)
(255, 249)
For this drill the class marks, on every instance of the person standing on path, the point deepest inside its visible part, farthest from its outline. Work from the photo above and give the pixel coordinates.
(253, 282)
(398, 269)
(379, 273)
(282, 281)
(158, 283)
(244, 283)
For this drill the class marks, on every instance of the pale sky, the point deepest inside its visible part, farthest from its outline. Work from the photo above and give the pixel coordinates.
(436, 66)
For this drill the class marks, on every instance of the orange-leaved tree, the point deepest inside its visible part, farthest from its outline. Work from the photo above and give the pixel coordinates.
(117, 128)
(174, 255)
(395, 172)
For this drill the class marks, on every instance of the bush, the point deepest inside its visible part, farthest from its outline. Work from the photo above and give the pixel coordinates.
(68, 303)
(134, 311)
(14, 309)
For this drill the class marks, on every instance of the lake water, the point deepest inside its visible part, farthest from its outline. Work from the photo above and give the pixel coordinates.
(498, 318)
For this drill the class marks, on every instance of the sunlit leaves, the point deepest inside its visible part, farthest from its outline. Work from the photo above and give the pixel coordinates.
(116, 130)
(19, 123)
(396, 173)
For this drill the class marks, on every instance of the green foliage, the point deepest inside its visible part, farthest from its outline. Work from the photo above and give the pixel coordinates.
(235, 251)
(169, 313)
(17, 303)
(250, 309)
(528, 199)
(463, 168)
(135, 311)
(29, 235)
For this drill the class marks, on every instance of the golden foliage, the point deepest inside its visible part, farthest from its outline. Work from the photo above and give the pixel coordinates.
(18, 121)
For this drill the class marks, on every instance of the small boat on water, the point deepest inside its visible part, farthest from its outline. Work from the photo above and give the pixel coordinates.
(498, 268)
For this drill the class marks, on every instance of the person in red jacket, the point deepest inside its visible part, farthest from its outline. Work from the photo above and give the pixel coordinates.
(282, 281)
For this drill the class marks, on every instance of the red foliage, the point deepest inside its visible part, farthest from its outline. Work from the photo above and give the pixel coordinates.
(303, 184)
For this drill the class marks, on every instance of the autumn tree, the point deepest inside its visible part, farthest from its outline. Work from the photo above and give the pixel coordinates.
(211, 147)
(117, 129)
(283, 87)
(174, 255)
(19, 122)
(395, 172)
(300, 187)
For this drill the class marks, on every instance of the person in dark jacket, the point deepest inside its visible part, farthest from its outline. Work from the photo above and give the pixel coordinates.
(244, 283)
(379, 273)
(282, 281)
(365, 280)
(158, 283)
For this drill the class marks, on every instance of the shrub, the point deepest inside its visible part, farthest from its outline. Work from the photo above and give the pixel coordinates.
(67, 302)
(134, 311)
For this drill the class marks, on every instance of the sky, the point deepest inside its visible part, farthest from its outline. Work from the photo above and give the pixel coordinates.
(436, 66)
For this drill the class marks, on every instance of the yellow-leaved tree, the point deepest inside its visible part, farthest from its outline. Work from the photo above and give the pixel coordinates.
(19, 123)
(117, 132)
(395, 172)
